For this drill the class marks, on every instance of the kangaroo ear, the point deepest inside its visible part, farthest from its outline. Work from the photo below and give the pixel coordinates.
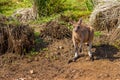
(80, 21)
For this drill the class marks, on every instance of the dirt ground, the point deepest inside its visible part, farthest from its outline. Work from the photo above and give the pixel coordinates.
(51, 64)
(52, 61)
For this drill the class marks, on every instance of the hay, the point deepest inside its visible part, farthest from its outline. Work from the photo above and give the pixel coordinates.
(102, 2)
(56, 30)
(115, 35)
(3, 19)
(16, 38)
(106, 16)
(23, 36)
(3, 38)
(24, 15)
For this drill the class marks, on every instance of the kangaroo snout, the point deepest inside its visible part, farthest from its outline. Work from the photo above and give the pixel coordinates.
(76, 29)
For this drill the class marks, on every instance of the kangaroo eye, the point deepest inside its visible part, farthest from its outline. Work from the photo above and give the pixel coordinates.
(78, 27)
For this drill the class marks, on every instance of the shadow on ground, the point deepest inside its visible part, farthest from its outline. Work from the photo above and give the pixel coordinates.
(40, 44)
(106, 51)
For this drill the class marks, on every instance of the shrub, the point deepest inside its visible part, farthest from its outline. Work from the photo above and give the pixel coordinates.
(48, 7)
(89, 4)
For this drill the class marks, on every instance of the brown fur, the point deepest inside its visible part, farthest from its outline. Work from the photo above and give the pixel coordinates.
(85, 33)
(82, 34)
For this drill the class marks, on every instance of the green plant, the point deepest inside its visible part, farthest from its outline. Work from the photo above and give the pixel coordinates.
(44, 19)
(75, 15)
(89, 4)
(45, 49)
(36, 34)
(97, 33)
(7, 7)
(33, 52)
(48, 7)
(117, 44)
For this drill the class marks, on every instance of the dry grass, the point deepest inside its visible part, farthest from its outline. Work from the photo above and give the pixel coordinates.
(106, 16)
(15, 38)
(115, 35)
(56, 30)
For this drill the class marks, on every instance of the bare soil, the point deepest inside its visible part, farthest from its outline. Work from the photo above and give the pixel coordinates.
(51, 64)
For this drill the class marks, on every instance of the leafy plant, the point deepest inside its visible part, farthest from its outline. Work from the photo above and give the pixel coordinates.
(97, 33)
(89, 4)
(48, 7)
(75, 15)
(7, 7)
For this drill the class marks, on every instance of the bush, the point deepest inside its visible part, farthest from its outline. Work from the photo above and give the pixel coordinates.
(48, 7)
(7, 7)
(89, 4)
(3, 4)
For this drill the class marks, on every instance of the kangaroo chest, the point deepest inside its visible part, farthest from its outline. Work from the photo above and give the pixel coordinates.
(82, 35)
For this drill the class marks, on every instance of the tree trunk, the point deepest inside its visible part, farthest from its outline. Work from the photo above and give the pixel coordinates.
(35, 11)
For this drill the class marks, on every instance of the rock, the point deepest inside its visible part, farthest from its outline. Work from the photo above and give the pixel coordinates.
(60, 47)
(36, 59)
(73, 71)
(87, 59)
(103, 75)
(31, 71)
(29, 60)
(58, 53)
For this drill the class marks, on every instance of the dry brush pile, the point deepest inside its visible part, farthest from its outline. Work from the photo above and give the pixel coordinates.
(107, 17)
(3, 38)
(56, 30)
(15, 38)
(24, 14)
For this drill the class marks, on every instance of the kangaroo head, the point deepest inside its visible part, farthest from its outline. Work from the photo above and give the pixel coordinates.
(76, 26)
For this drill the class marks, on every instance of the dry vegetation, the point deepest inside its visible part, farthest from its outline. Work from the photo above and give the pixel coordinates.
(54, 47)
(106, 16)
(55, 30)
(15, 38)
